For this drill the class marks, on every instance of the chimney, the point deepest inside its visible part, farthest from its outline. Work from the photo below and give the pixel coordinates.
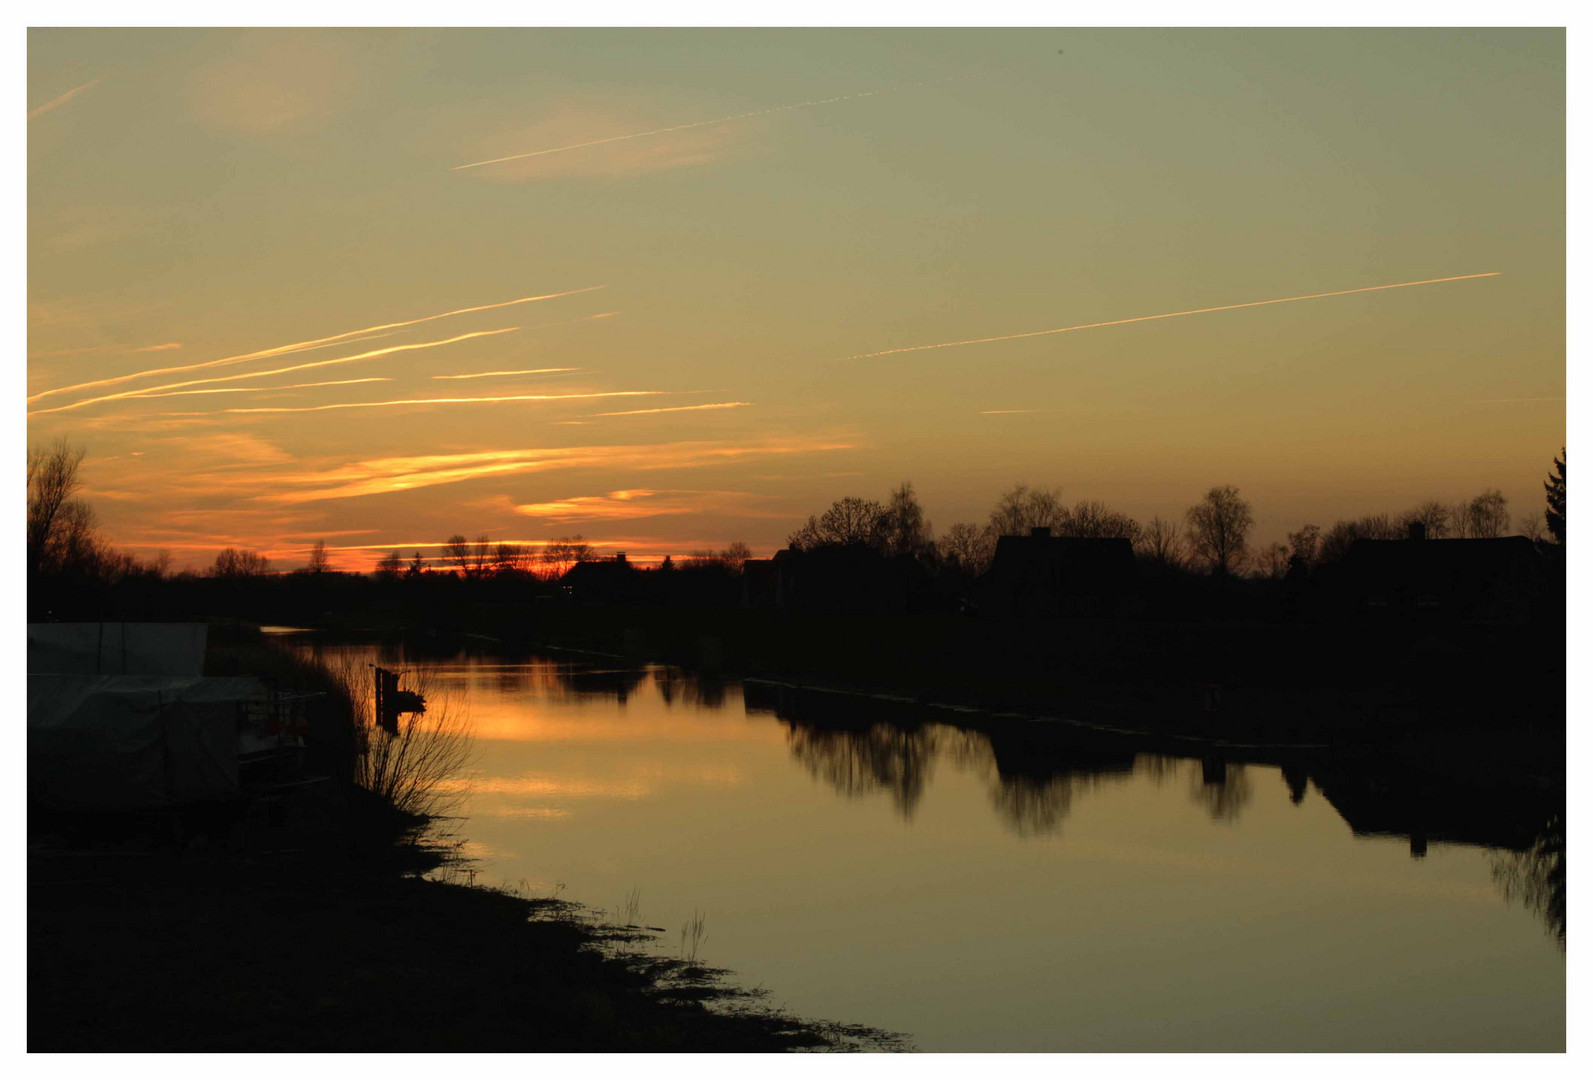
(619, 556)
(1041, 531)
(1418, 531)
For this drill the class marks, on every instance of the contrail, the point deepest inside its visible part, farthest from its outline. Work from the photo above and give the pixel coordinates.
(1009, 412)
(676, 408)
(527, 371)
(150, 391)
(447, 401)
(695, 124)
(62, 100)
(1168, 315)
(301, 346)
(265, 389)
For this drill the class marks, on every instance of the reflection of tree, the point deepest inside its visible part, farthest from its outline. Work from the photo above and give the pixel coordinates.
(700, 691)
(1536, 877)
(1034, 805)
(858, 763)
(1222, 788)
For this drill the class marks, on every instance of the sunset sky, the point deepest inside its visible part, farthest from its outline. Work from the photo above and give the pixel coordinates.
(701, 264)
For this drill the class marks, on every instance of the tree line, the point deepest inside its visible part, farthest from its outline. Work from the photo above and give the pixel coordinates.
(1213, 534)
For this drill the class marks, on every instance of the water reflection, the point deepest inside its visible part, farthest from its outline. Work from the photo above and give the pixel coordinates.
(1536, 877)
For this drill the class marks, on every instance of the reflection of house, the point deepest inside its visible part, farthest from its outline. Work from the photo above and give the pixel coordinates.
(1041, 574)
(1475, 580)
(852, 578)
(605, 581)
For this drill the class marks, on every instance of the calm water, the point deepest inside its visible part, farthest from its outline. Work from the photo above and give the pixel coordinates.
(928, 881)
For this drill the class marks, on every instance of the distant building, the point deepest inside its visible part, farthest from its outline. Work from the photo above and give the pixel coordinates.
(607, 581)
(1494, 580)
(855, 578)
(1045, 575)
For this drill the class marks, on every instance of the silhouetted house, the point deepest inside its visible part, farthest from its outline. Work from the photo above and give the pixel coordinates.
(1041, 574)
(1495, 580)
(604, 581)
(761, 584)
(854, 578)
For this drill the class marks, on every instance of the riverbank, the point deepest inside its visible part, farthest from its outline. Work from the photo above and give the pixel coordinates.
(305, 923)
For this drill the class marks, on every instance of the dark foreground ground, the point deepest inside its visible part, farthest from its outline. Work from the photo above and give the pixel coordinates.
(312, 935)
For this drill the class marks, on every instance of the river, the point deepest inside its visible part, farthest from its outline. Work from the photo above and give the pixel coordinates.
(982, 896)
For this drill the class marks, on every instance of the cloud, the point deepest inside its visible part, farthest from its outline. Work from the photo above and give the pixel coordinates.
(607, 143)
(56, 103)
(150, 391)
(677, 408)
(637, 503)
(607, 158)
(526, 371)
(1166, 315)
(303, 346)
(276, 81)
(386, 475)
(492, 400)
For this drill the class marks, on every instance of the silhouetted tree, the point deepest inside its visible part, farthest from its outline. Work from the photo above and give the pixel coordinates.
(417, 567)
(1020, 509)
(1484, 517)
(390, 566)
(60, 527)
(319, 563)
(480, 556)
(1272, 561)
(561, 554)
(1304, 545)
(848, 521)
(967, 547)
(736, 555)
(1092, 518)
(1554, 495)
(458, 550)
(235, 563)
(1434, 517)
(906, 530)
(1218, 527)
(1336, 544)
(1160, 543)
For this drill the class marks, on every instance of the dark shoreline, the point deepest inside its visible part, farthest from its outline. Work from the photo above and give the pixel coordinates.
(307, 924)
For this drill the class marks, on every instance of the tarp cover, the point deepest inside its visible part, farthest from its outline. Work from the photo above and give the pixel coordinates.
(124, 742)
(116, 648)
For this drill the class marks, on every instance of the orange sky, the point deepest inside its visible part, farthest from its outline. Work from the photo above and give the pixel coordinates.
(671, 289)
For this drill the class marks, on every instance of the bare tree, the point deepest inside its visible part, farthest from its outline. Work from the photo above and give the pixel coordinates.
(968, 547)
(1092, 518)
(390, 566)
(561, 554)
(52, 482)
(736, 556)
(480, 556)
(1304, 545)
(907, 531)
(1161, 543)
(1217, 528)
(417, 567)
(1487, 516)
(1433, 516)
(1272, 561)
(1020, 509)
(319, 563)
(1531, 526)
(235, 563)
(458, 549)
(848, 521)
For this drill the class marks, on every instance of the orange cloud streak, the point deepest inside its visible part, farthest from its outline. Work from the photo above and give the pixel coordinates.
(55, 103)
(676, 408)
(527, 371)
(445, 401)
(264, 389)
(150, 391)
(1167, 315)
(301, 346)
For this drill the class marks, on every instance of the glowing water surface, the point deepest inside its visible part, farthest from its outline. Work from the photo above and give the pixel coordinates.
(923, 879)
